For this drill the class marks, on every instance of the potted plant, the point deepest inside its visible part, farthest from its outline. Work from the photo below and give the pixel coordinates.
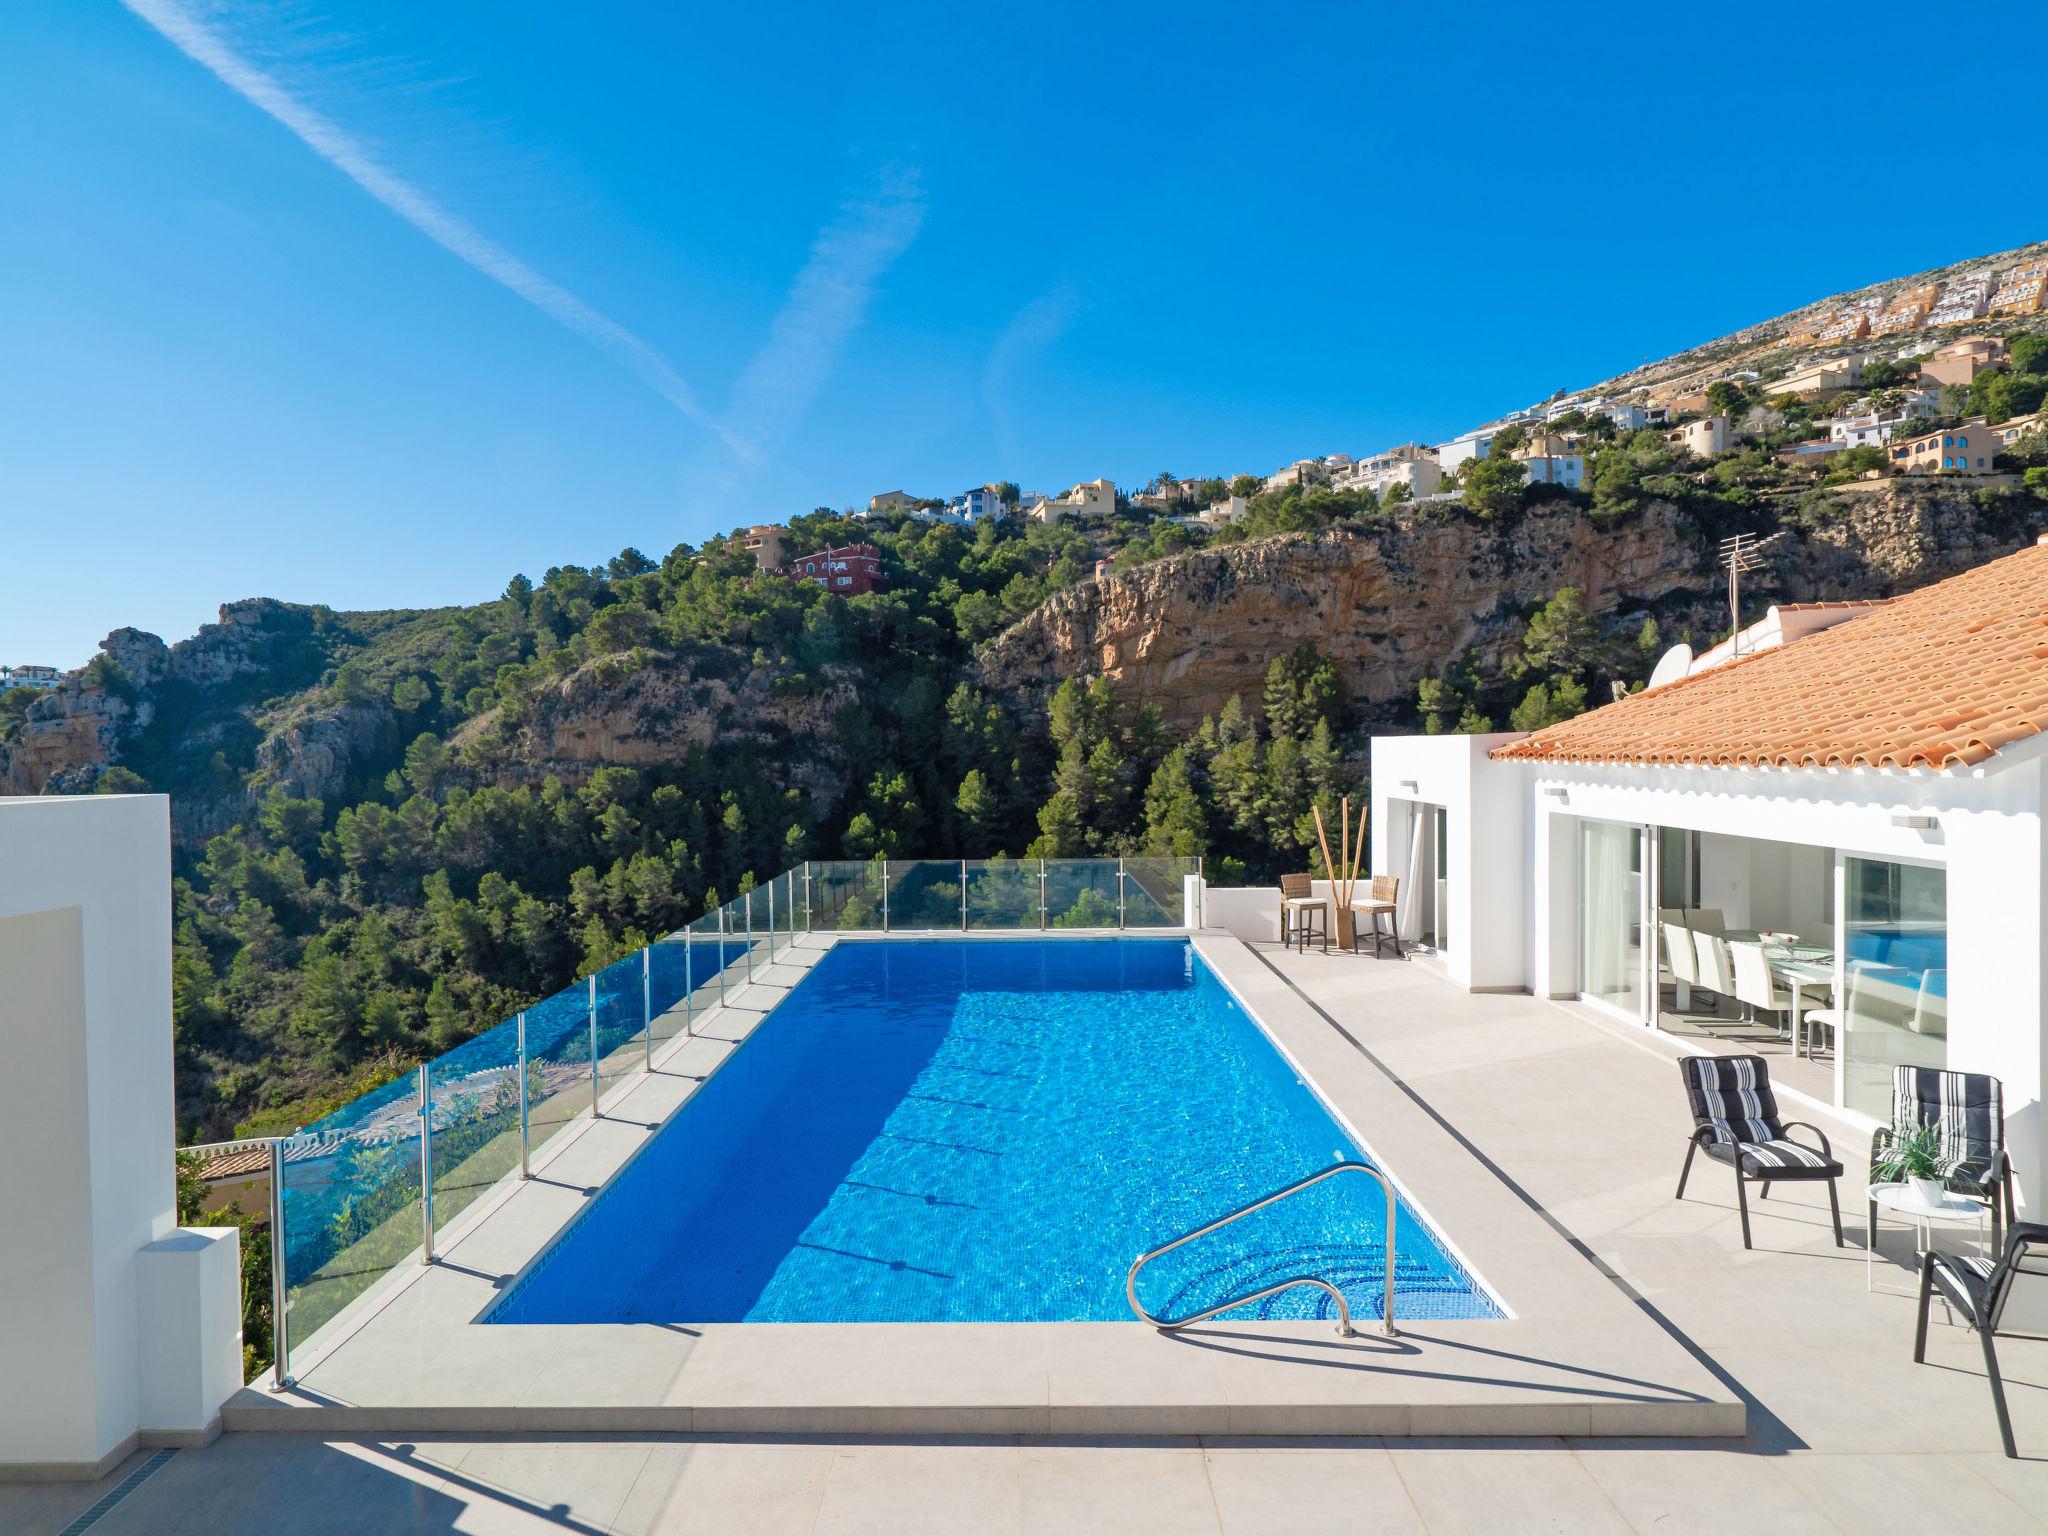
(1914, 1155)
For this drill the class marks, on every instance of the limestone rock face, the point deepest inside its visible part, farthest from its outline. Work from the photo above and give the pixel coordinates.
(612, 710)
(1390, 606)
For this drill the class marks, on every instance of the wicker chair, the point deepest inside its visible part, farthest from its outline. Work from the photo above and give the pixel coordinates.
(1298, 901)
(1383, 902)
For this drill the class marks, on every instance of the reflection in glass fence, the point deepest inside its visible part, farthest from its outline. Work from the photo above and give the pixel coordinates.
(366, 1189)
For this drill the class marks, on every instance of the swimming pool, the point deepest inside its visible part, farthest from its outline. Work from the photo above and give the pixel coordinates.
(988, 1131)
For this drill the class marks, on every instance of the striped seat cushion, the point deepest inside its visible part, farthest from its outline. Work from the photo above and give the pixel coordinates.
(1778, 1157)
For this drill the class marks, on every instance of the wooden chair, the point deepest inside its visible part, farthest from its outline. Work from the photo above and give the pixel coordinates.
(1298, 902)
(1383, 902)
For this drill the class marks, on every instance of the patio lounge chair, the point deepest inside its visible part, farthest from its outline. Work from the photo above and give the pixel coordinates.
(1968, 1111)
(1298, 902)
(1979, 1290)
(1735, 1121)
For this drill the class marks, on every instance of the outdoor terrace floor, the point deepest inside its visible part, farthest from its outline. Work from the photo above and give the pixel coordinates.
(1580, 1120)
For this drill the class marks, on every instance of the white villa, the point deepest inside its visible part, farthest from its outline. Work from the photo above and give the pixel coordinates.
(1873, 782)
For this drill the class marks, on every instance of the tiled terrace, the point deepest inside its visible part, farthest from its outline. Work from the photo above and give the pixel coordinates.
(1580, 1120)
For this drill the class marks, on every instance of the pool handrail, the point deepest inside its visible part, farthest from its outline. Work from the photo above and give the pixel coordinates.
(1344, 1328)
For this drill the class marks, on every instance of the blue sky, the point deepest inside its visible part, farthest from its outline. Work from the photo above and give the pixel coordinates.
(494, 287)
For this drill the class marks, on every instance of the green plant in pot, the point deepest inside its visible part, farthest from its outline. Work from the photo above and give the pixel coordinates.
(1914, 1156)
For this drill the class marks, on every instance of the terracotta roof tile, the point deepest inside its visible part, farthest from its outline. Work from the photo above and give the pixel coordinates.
(1940, 678)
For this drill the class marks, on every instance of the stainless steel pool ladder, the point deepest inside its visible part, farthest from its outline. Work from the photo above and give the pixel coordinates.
(1344, 1327)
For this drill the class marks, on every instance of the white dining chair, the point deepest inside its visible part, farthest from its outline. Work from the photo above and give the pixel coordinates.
(1835, 1017)
(1755, 986)
(1678, 952)
(1705, 920)
(1715, 971)
(1930, 1008)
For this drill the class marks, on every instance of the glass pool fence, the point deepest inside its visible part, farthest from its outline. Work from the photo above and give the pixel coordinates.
(363, 1190)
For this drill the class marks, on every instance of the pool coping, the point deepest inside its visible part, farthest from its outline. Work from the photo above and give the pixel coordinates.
(1575, 1357)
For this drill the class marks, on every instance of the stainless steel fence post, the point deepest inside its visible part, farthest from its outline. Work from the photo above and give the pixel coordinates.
(689, 987)
(885, 895)
(771, 922)
(807, 895)
(647, 1001)
(1041, 896)
(595, 1087)
(426, 1163)
(1119, 891)
(525, 1128)
(963, 895)
(721, 954)
(280, 1333)
(750, 935)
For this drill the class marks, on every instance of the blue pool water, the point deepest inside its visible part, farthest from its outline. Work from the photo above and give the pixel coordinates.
(981, 1132)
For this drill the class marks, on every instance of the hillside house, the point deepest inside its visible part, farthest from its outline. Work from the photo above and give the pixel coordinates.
(1704, 438)
(1549, 461)
(1091, 498)
(848, 571)
(1965, 450)
(1958, 364)
(766, 541)
(1820, 378)
(28, 677)
(893, 501)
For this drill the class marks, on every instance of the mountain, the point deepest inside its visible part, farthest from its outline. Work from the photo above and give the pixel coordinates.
(395, 828)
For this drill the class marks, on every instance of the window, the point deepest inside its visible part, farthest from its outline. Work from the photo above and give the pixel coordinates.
(844, 581)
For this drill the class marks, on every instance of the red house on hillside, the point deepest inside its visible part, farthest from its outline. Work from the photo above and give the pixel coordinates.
(849, 571)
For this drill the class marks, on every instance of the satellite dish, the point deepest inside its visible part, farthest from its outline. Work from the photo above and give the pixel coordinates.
(1672, 665)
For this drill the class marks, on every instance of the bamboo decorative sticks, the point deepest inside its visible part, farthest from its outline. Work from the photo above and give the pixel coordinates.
(1343, 879)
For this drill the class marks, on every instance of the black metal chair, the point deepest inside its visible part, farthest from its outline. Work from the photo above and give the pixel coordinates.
(1967, 1109)
(1735, 1121)
(1979, 1289)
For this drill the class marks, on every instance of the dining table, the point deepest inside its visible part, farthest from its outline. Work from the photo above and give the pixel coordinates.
(1799, 966)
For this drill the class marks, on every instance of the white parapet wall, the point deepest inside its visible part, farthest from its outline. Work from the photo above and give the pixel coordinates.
(86, 1163)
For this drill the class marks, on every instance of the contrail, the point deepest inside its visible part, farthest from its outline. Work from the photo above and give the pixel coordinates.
(824, 306)
(205, 47)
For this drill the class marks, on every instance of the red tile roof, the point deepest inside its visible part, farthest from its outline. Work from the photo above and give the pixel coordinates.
(1940, 678)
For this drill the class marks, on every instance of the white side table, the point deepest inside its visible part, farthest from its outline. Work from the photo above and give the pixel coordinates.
(1900, 1201)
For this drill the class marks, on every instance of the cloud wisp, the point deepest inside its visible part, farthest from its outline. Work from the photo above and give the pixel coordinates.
(823, 308)
(1034, 328)
(206, 46)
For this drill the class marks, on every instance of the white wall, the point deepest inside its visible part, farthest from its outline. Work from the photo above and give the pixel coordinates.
(86, 1114)
(1486, 857)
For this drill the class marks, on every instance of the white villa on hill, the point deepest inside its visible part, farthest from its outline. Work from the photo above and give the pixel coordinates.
(1868, 777)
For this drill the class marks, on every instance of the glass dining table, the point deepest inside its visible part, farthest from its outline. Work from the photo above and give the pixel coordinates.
(1800, 967)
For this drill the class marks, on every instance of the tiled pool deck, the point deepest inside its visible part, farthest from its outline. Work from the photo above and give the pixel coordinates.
(1576, 1357)
(1844, 1432)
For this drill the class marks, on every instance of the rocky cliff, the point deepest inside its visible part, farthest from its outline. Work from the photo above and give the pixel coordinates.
(1398, 603)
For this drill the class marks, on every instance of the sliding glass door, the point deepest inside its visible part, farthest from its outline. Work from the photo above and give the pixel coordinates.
(1611, 916)
(1893, 984)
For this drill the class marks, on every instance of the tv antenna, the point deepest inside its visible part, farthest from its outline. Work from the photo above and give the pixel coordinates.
(1743, 552)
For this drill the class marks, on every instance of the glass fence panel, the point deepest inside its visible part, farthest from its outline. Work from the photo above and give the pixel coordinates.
(846, 896)
(557, 1062)
(668, 985)
(791, 904)
(1081, 893)
(475, 1119)
(1003, 893)
(621, 1021)
(1153, 894)
(351, 1203)
(706, 976)
(924, 893)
